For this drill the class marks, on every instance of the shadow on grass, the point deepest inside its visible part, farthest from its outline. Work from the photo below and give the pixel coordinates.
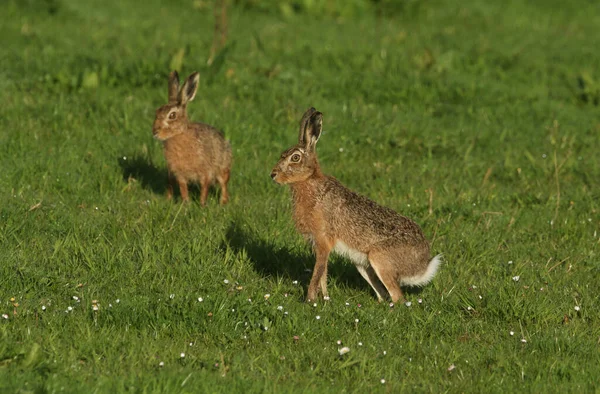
(271, 260)
(142, 170)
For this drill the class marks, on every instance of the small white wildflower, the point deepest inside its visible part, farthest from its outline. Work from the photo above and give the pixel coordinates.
(341, 149)
(69, 308)
(510, 262)
(226, 281)
(232, 309)
(161, 364)
(347, 304)
(76, 298)
(326, 298)
(577, 308)
(315, 305)
(171, 296)
(117, 300)
(512, 333)
(480, 297)
(182, 355)
(267, 296)
(408, 303)
(451, 367)
(110, 305)
(356, 320)
(249, 299)
(318, 317)
(43, 307)
(382, 381)
(420, 300)
(279, 308)
(95, 307)
(469, 308)
(295, 282)
(360, 344)
(191, 343)
(384, 352)
(5, 316)
(339, 341)
(391, 304)
(516, 278)
(344, 350)
(473, 286)
(524, 340)
(285, 313)
(200, 299)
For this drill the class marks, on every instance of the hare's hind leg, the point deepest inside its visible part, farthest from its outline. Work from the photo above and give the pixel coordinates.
(384, 267)
(223, 178)
(371, 277)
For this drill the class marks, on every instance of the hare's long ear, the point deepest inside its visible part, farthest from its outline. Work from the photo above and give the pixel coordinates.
(173, 87)
(303, 122)
(312, 132)
(189, 88)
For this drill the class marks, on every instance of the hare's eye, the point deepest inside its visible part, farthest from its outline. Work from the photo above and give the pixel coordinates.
(295, 158)
(173, 115)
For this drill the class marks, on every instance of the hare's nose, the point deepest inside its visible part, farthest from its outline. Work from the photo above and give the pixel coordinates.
(273, 174)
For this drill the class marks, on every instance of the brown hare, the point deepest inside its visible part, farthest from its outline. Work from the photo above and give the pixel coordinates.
(388, 249)
(195, 152)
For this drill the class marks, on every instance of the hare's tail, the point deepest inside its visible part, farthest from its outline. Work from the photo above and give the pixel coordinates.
(421, 280)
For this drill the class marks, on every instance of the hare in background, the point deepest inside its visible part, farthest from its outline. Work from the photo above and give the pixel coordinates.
(195, 152)
(388, 249)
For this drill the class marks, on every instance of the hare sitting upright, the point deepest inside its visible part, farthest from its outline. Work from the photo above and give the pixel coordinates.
(386, 248)
(195, 152)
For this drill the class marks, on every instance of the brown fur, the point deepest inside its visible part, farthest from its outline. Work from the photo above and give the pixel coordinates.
(195, 152)
(385, 246)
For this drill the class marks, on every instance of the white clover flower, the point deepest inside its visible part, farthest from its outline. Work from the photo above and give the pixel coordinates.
(344, 350)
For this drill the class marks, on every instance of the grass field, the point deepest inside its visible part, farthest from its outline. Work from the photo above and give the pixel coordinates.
(479, 120)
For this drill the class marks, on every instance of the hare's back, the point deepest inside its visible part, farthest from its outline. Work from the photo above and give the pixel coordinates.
(212, 144)
(350, 211)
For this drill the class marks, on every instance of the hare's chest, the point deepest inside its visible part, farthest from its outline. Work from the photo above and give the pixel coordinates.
(308, 219)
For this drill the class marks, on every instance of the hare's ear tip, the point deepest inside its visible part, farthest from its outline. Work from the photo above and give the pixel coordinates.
(174, 73)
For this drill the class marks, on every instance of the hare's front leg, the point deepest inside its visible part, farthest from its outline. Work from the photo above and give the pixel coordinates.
(170, 186)
(319, 277)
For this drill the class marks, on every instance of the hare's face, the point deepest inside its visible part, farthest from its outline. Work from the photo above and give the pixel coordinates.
(170, 120)
(295, 165)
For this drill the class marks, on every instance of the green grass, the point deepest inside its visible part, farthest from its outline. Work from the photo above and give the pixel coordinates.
(492, 106)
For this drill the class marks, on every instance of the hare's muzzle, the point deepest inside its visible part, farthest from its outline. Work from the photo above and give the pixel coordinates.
(273, 174)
